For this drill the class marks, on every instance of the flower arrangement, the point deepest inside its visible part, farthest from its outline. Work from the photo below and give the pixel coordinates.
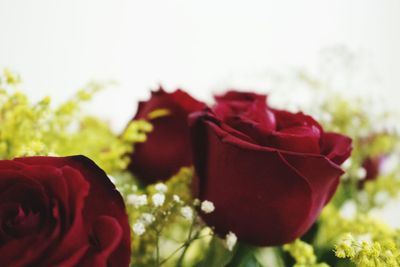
(237, 182)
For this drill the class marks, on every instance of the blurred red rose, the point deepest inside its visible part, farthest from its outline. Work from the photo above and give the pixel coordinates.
(268, 172)
(372, 166)
(60, 212)
(167, 148)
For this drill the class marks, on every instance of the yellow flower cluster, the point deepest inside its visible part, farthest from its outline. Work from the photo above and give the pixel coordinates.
(364, 240)
(29, 129)
(367, 253)
(303, 254)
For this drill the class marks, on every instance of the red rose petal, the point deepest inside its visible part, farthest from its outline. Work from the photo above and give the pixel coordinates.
(167, 147)
(336, 147)
(248, 198)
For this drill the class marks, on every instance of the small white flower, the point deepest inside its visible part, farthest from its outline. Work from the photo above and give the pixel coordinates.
(230, 241)
(347, 164)
(207, 206)
(361, 173)
(137, 200)
(176, 198)
(147, 218)
(158, 199)
(161, 187)
(138, 228)
(187, 213)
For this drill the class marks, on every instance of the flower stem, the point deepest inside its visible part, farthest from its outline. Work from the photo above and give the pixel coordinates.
(188, 242)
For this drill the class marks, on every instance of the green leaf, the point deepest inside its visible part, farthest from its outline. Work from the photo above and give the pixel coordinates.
(217, 255)
(244, 257)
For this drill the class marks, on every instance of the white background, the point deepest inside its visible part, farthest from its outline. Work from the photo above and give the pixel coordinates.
(201, 45)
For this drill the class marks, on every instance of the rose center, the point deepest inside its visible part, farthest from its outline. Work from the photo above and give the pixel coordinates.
(17, 222)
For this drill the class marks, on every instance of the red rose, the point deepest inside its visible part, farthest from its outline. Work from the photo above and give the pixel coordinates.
(167, 148)
(268, 172)
(372, 167)
(60, 212)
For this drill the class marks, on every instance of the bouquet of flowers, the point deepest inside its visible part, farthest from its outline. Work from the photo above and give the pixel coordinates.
(236, 182)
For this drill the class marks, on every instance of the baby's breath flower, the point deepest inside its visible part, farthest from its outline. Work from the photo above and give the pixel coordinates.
(230, 241)
(137, 200)
(176, 198)
(158, 199)
(361, 173)
(187, 213)
(207, 206)
(147, 218)
(347, 164)
(161, 187)
(138, 228)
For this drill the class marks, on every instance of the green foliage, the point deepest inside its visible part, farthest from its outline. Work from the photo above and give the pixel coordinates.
(216, 255)
(28, 129)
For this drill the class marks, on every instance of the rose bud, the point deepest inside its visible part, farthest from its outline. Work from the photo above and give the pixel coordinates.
(372, 167)
(268, 172)
(60, 212)
(167, 147)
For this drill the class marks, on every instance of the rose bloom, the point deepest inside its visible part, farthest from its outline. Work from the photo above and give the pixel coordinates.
(268, 172)
(60, 211)
(167, 147)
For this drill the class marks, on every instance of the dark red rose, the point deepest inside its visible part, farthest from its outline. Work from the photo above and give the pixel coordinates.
(60, 212)
(268, 172)
(372, 166)
(167, 148)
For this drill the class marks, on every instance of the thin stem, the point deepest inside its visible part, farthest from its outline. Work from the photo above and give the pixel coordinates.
(197, 237)
(187, 243)
(172, 254)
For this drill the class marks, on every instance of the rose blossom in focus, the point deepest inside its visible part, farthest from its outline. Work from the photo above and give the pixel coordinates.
(61, 211)
(268, 172)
